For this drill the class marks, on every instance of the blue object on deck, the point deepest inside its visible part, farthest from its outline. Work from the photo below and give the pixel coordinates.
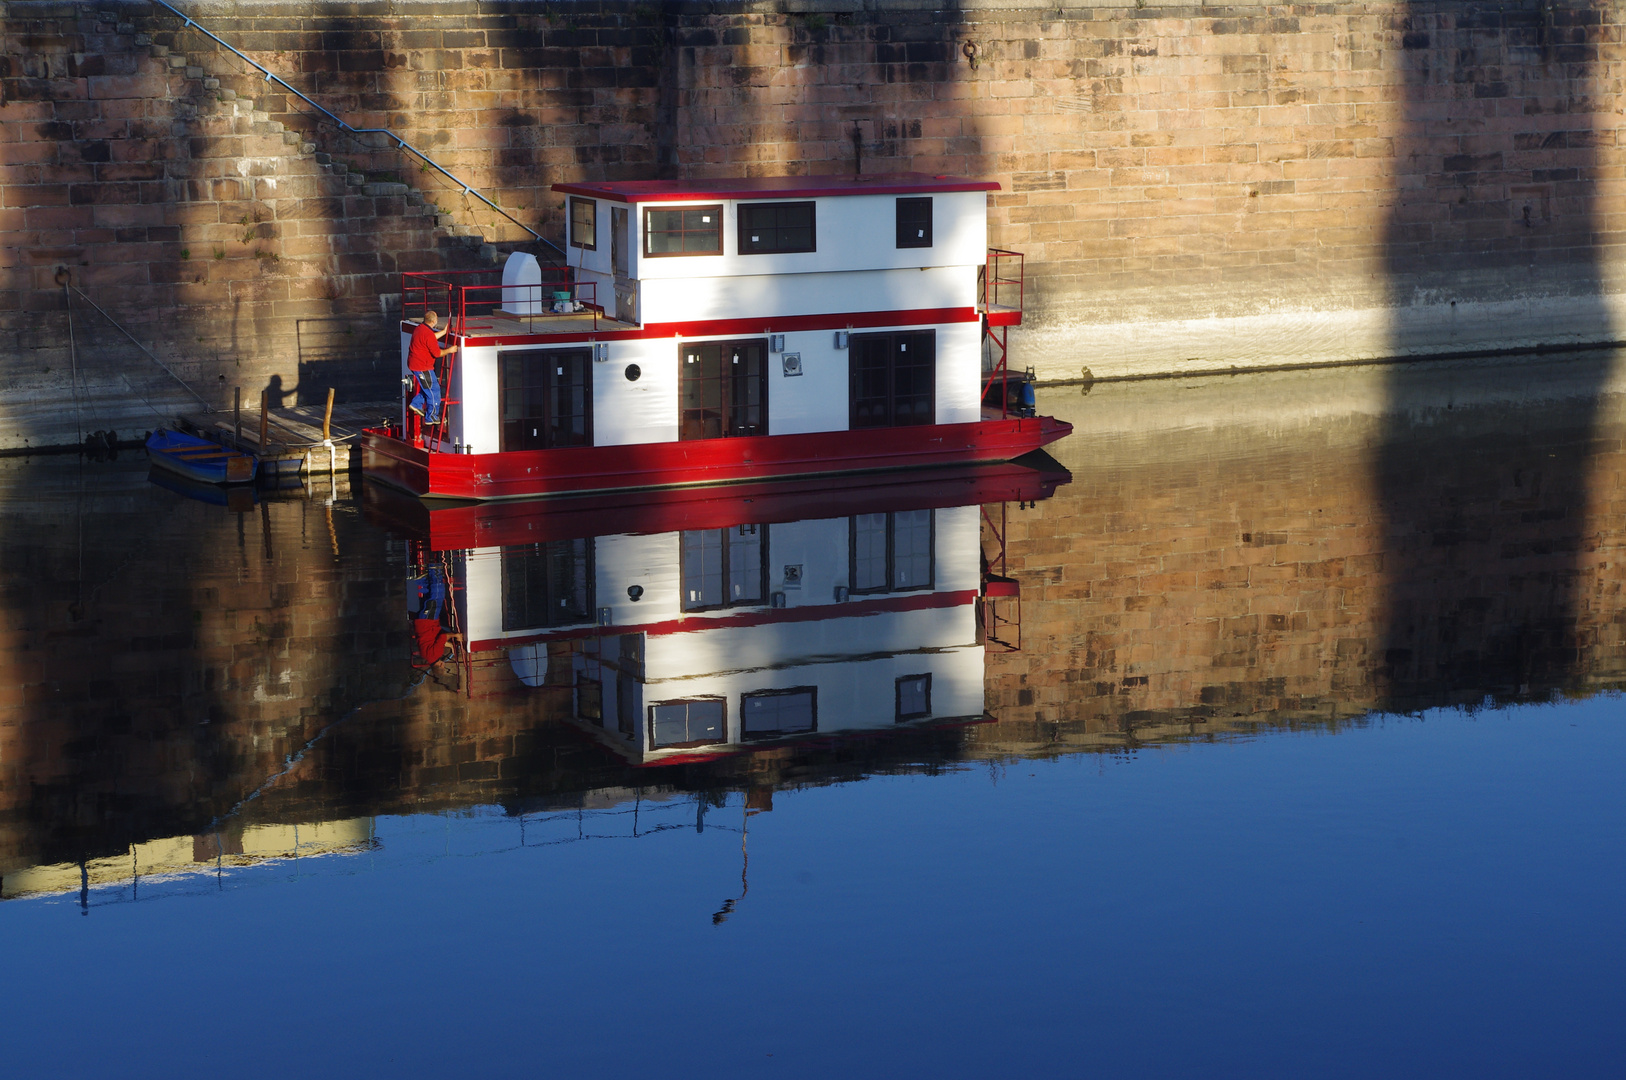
(199, 459)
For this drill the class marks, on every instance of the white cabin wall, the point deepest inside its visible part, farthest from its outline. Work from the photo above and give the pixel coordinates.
(852, 232)
(482, 579)
(959, 373)
(852, 694)
(406, 347)
(703, 294)
(650, 562)
(476, 422)
(817, 399)
(645, 411)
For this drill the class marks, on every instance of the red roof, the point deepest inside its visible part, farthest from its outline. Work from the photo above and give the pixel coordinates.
(773, 187)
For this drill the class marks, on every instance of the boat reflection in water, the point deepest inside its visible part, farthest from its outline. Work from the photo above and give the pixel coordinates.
(691, 627)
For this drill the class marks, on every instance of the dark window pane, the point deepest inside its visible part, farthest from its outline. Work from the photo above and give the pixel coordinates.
(892, 379)
(777, 712)
(702, 557)
(687, 723)
(915, 223)
(868, 553)
(912, 549)
(722, 389)
(914, 697)
(547, 398)
(584, 224)
(776, 227)
(549, 584)
(688, 231)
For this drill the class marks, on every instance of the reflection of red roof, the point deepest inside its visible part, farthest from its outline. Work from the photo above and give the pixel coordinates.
(774, 187)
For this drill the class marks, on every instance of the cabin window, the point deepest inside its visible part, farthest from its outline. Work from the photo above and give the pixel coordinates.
(722, 390)
(776, 227)
(893, 379)
(890, 552)
(584, 224)
(618, 241)
(914, 697)
(547, 398)
(724, 567)
(691, 230)
(687, 723)
(769, 713)
(547, 584)
(915, 223)
(628, 678)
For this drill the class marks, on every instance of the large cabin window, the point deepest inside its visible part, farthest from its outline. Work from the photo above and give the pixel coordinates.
(689, 230)
(584, 224)
(724, 567)
(893, 379)
(769, 713)
(890, 552)
(722, 389)
(915, 223)
(547, 584)
(767, 228)
(547, 398)
(687, 723)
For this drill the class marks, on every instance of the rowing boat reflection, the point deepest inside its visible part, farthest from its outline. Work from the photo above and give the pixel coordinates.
(684, 629)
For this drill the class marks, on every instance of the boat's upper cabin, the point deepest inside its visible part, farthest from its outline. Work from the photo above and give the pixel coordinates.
(664, 229)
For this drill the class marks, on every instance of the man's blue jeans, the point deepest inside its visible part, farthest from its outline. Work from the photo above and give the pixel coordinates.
(426, 402)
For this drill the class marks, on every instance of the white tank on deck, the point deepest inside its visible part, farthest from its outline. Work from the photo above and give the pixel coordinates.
(522, 285)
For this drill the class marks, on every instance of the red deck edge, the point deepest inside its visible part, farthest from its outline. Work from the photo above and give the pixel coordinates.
(644, 466)
(850, 609)
(459, 526)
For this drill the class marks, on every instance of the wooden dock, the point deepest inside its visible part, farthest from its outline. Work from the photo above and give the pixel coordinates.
(294, 445)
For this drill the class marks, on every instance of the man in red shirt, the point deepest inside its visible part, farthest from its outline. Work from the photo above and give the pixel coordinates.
(421, 356)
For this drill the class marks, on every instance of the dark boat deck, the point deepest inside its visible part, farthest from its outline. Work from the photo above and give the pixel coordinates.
(293, 442)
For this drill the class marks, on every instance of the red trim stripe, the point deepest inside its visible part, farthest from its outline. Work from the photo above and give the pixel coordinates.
(784, 324)
(924, 601)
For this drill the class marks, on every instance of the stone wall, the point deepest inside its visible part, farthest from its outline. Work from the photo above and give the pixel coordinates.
(1195, 187)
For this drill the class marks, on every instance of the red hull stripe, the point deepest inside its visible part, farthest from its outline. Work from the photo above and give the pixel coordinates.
(784, 324)
(643, 466)
(925, 601)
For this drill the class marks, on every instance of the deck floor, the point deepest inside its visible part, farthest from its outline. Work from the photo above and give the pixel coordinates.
(503, 324)
(293, 442)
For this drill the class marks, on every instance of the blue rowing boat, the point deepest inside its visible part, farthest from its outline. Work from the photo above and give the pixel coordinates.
(199, 459)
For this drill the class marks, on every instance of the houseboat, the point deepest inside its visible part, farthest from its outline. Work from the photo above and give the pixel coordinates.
(723, 331)
(679, 630)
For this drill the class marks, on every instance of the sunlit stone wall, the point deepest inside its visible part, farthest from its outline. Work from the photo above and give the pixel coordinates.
(1194, 187)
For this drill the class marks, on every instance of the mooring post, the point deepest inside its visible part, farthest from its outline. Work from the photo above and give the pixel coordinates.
(265, 420)
(327, 417)
(237, 412)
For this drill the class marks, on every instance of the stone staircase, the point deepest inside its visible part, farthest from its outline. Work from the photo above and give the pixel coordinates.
(231, 96)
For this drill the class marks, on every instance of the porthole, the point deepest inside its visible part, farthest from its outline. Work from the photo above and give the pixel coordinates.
(633, 371)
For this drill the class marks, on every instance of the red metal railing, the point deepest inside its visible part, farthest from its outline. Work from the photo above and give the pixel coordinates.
(1000, 285)
(1002, 280)
(479, 295)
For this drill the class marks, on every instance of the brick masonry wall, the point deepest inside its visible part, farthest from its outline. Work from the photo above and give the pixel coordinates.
(1195, 187)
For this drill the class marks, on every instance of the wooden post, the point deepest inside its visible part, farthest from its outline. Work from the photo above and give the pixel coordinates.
(327, 417)
(265, 420)
(237, 411)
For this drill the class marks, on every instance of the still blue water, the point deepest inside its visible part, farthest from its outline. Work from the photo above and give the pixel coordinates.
(1416, 896)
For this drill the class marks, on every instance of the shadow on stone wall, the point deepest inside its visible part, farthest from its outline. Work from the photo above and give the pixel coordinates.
(1496, 212)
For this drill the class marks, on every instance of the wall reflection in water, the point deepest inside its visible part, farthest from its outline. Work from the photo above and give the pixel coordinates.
(193, 686)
